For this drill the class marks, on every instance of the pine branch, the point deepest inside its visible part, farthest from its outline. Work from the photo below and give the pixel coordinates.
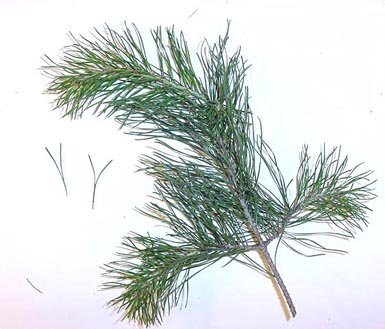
(209, 166)
(159, 281)
(328, 193)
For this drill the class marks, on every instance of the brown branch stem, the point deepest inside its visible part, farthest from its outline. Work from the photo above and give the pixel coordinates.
(269, 263)
(261, 245)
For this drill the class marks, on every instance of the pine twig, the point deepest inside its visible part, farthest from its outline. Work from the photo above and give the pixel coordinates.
(210, 168)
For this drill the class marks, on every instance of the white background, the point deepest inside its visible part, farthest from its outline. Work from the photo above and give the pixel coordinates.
(317, 75)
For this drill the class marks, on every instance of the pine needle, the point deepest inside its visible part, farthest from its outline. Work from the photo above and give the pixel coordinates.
(96, 179)
(59, 167)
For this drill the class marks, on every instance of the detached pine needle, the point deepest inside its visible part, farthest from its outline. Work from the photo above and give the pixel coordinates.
(33, 286)
(211, 166)
(96, 179)
(59, 166)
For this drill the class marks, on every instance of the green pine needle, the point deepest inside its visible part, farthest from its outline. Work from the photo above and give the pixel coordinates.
(209, 166)
(59, 167)
(96, 178)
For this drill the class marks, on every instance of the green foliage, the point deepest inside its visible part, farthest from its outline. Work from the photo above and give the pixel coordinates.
(208, 165)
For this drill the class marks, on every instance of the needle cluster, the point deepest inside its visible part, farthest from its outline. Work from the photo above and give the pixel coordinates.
(207, 165)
